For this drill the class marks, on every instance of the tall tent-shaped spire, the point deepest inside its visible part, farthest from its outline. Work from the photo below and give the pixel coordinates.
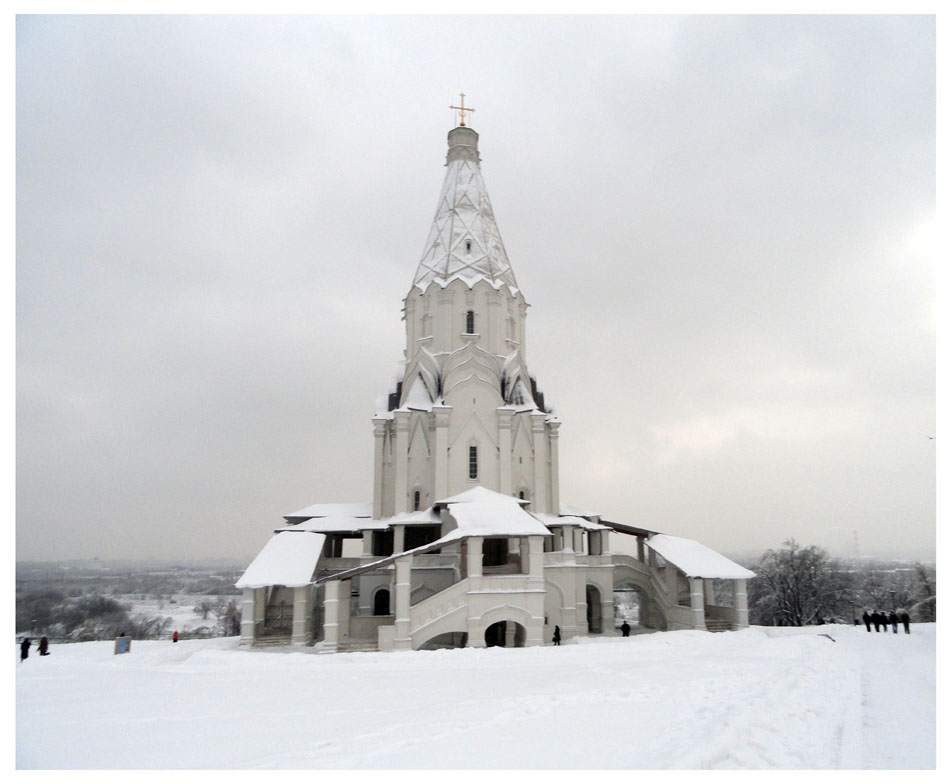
(464, 242)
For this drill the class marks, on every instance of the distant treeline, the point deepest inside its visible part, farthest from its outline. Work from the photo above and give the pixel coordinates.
(80, 603)
(74, 581)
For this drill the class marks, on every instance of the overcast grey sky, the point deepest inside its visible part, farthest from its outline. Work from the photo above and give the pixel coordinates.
(724, 226)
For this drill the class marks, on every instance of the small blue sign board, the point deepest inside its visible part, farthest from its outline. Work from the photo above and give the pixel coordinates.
(123, 644)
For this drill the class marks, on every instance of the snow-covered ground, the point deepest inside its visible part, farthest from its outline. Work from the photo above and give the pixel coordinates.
(759, 698)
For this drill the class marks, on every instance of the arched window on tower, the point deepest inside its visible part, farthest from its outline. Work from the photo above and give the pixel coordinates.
(416, 500)
(470, 322)
(524, 494)
(468, 246)
(473, 462)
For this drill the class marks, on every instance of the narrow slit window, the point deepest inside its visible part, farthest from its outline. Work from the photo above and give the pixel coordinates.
(468, 246)
(473, 462)
(415, 501)
(470, 322)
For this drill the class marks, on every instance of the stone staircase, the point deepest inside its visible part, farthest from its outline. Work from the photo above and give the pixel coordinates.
(718, 625)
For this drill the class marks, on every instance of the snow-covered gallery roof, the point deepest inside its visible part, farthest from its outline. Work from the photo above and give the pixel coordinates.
(288, 558)
(464, 242)
(697, 560)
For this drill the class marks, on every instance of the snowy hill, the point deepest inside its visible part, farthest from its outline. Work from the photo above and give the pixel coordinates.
(759, 698)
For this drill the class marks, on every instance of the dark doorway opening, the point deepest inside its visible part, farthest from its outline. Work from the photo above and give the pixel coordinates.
(505, 634)
(381, 602)
(494, 552)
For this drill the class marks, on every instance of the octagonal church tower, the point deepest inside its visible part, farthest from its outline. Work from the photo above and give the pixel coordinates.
(464, 409)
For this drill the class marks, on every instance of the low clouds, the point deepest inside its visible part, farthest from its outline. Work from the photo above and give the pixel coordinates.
(724, 226)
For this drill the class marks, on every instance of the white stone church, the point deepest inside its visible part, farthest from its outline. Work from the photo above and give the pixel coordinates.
(467, 541)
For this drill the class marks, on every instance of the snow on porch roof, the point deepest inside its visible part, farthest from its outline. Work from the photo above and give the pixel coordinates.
(479, 494)
(697, 560)
(493, 518)
(334, 510)
(336, 524)
(289, 558)
(587, 525)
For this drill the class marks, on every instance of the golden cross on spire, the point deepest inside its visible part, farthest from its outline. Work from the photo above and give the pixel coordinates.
(462, 109)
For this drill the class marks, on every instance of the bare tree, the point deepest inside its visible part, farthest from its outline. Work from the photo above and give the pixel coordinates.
(203, 608)
(798, 585)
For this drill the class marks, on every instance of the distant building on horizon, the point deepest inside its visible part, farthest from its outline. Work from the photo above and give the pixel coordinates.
(466, 541)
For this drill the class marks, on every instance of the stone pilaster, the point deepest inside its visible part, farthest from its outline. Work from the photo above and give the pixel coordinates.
(379, 437)
(303, 607)
(740, 603)
(541, 501)
(504, 450)
(401, 462)
(553, 428)
(249, 597)
(440, 455)
(474, 549)
(331, 617)
(696, 602)
(403, 639)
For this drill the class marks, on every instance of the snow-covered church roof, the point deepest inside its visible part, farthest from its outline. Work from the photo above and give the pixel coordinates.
(288, 558)
(697, 560)
(464, 242)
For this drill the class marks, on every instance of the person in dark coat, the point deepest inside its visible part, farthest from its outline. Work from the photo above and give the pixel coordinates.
(24, 648)
(867, 620)
(557, 635)
(625, 629)
(876, 620)
(44, 647)
(892, 620)
(905, 619)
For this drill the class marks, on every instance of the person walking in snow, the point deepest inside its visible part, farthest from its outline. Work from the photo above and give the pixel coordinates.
(43, 647)
(876, 620)
(892, 620)
(557, 635)
(867, 620)
(905, 619)
(24, 648)
(625, 629)
(175, 636)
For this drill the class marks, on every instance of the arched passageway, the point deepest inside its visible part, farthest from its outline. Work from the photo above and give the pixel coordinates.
(633, 605)
(505, 634)
(595, 623)
(447, 640)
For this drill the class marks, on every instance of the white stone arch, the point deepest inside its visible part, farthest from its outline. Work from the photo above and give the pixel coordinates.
(554, 605)
(418, 436)
(502, 612)
(521, 440)
(455, 385)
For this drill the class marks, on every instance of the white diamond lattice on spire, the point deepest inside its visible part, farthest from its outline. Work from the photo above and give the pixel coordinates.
(464, 242)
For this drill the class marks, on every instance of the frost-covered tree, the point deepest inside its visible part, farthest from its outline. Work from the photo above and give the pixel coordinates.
(925, 594)
(796, 586)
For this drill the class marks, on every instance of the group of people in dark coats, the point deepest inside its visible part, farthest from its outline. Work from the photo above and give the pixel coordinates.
(881, 620)
(43, 647)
